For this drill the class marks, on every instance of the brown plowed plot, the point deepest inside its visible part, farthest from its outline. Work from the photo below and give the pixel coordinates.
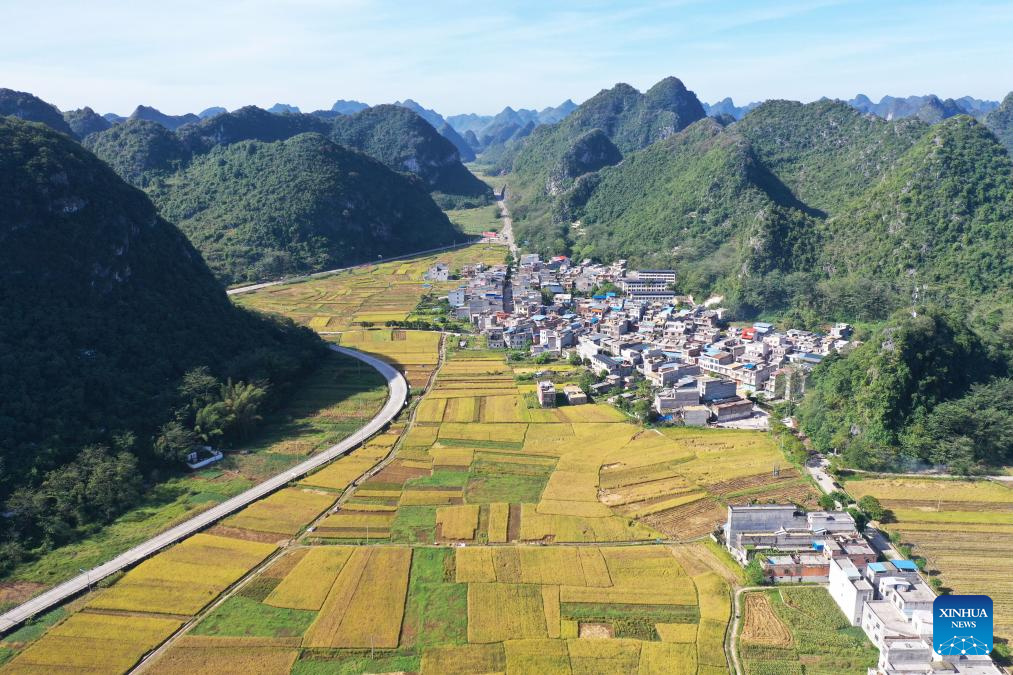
(747, 482)
(647, 491)
(397, 472)
(793, 491)
(688, 521)
(761, 625)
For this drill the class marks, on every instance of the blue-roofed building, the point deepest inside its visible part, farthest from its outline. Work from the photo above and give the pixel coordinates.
(905, 565)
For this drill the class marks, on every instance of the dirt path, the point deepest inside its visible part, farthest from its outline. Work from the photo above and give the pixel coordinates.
(508, 224)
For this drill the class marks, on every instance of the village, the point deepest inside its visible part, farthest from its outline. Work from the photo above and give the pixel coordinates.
(641, 341)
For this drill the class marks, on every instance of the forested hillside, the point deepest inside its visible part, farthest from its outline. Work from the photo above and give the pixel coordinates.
(1000, 121)
(262, 210)
(939, 224)
(405, 142)
(699, 201)
(260, 204)
(26, 106)
(630, 121)
(139, 151)
(924, 390)
(804, 207)
(107, 312)
(826, 152)
(85, 121)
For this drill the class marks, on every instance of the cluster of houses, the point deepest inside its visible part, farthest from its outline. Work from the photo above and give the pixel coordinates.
(699, 368)
(889, 600)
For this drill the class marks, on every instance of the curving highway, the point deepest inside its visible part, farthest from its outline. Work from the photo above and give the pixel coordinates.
(396, 399)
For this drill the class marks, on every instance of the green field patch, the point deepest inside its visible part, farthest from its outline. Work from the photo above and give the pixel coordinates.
(414, 525)
(489, 488)
(352, 662)
(437, 609)
(243, 617)
(440, 478)
(588, 611)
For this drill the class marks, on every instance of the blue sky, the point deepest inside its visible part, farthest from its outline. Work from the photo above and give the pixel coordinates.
(478, 56)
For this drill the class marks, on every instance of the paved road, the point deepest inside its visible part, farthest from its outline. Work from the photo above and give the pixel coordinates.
(817, 468)
(287, 280)
(395, 401)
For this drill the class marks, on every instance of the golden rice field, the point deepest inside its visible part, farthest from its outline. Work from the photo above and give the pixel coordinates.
(476, 465)
(89, 642)
(415, 353)
(371, 294)
(180, 580)
(963, 529)
(284, 512)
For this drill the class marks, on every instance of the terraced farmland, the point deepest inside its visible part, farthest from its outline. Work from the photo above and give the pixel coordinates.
(366, 295)
(963, 529)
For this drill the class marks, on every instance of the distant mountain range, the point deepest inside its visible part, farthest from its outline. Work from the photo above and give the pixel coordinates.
(928, 108)
(727, 107)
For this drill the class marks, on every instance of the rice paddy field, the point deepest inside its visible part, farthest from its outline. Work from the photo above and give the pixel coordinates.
(488, 536)
(516, 609)
(368, 295)
(414, 353)
(800, 630)
(963, 529)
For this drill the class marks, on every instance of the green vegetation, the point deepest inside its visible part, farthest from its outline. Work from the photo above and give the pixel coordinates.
(261, 199)
(492, 482)
(139, 151)
(263, 210)
(84, 121)
(1000, 121)
(437, 609)
(240, 616)
(815, 211)
(544, 163)
(106, 307)
(414, 524)
(350, 663)
(28, 107)
(477, 220)
(403, 141)
(812, 637)
(921, 390)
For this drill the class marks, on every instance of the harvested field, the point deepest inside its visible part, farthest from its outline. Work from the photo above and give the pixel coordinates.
(761, 625)
(963, 529)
